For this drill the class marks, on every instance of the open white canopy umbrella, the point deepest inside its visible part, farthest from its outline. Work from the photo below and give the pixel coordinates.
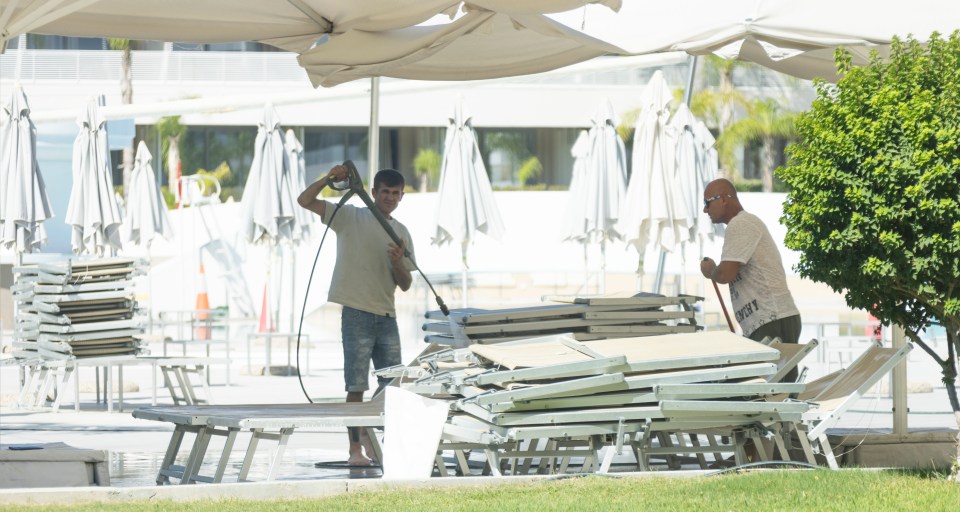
(93, 211)
(465, 204)
(25, 205)
(378, 35)
(601, 190)
(492, 39)
(792, 37)
(298, 22)
(651, 215)
(146, 212)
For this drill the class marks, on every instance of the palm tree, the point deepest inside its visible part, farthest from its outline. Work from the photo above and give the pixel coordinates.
(717, 105)
(170, 131)
(126, 94)
(765, 122)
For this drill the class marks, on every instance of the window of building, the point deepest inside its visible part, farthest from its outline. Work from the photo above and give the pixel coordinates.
(325, 147)
(206, 147)
(45, 42)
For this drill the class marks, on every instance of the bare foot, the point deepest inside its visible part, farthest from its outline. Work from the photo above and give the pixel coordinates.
(368, 450)
(357, 459)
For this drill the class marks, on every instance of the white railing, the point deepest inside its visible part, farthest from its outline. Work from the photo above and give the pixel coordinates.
(76, 65)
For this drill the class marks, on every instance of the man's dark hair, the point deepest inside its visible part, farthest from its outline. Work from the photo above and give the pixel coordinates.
(388, 177)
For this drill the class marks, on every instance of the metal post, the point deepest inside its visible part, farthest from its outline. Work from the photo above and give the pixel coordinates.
(373, 137)
(898, 386)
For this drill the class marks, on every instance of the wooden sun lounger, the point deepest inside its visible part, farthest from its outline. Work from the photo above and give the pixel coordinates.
(264, 422)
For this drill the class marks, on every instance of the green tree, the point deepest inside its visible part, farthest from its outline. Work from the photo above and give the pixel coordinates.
(170, 132)
(765, 122)
(529, 171)
(717, 105)
(874, 205)
(426, 164)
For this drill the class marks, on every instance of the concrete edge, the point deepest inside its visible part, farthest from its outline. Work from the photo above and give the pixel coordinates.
(281, 490)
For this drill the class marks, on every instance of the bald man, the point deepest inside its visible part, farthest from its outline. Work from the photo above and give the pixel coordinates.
(752, 266)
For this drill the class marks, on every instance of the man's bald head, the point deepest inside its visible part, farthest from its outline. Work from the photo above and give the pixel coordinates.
(720, 201)
(720, 186)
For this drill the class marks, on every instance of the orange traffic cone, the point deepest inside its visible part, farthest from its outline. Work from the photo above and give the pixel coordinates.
(266, 322)
(202, 332)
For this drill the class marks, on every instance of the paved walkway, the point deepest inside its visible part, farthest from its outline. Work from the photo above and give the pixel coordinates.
(136, 446)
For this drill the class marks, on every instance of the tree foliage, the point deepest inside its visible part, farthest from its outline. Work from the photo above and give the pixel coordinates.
(426, 164)
(766, 120)
(529, 171)
(874, 206)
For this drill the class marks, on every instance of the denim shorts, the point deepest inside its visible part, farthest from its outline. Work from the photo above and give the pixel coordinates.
(367, 337)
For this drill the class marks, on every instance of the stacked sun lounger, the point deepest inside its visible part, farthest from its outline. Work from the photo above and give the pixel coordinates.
(519, 399)
(26, 328)
(81, 308)
(586, 318)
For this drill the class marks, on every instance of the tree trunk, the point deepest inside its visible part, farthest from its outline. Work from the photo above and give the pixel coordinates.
(766, 171)
(726, 114)
(956, 463)
(126, 93)
(173, 167)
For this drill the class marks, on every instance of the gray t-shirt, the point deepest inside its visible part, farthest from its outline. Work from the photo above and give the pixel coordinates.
(759, 292)
(361, 277)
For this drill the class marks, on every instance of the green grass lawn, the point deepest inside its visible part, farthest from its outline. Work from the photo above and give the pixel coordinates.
(819, 491)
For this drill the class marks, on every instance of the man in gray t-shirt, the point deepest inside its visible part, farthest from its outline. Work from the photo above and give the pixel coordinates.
(751, 265)
(368, 270)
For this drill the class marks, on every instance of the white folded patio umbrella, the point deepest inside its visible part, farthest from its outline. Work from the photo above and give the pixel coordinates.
(146, 213)
(465, 204)
(709, 170)
(576, 208)
(269, 203)
(599, 194)
(303, 220)
(93, 211)
(25, 205)
(269, 210)
(652, 217)
(688, 185)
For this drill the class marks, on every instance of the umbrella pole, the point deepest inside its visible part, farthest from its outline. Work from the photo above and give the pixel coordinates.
(150, 289)
(602, 285)
(293, 287)
(274, 285)
(463, 274)
(640, 273)
(586, 269)
(661, 263)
